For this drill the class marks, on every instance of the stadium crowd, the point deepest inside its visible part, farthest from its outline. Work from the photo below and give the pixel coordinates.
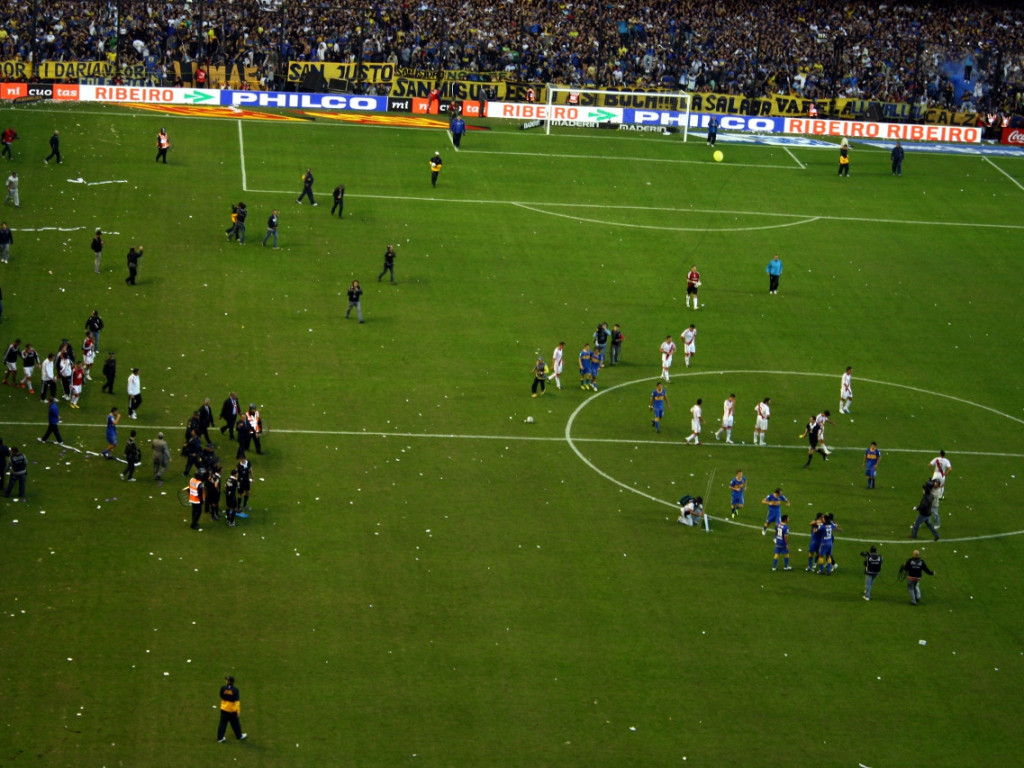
(952, 55)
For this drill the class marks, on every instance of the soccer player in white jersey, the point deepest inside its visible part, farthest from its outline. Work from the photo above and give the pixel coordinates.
(668, 348)
(940, 469)
(728, 411)
(696, 420)
(556, 364)
(764, 412)
(846, 391)
(689, 337)
(820, 421)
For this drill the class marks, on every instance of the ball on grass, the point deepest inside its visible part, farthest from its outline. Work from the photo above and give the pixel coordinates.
(719, 157)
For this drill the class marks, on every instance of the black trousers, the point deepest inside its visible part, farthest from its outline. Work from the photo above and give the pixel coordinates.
(108, 386)
(773, 282)
(53, 429)
(225, 719)
(21, 485)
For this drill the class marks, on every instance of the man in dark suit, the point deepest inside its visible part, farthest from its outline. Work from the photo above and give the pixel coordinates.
(205, 420)
(230, 412)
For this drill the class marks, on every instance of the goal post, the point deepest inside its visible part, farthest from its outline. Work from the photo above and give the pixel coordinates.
(668, 109)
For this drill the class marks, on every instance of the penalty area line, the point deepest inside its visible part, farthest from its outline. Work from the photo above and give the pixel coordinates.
(1012, 180)
(795, 160)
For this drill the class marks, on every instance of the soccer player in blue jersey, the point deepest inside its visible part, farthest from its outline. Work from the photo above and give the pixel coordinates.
(774, 502)
(737, 485)
(826, 563)
(596, 361)
(871, 458)
(659, 402)
(782, 544)
(584, 365)
(812, 548)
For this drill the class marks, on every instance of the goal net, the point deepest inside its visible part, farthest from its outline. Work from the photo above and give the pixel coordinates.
(669, 110)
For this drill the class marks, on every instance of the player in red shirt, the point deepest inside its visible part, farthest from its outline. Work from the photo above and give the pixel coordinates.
(692, 284)
(9, 136)
(77, 377)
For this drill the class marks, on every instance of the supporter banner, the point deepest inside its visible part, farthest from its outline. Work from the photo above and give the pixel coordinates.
(365, 73)
(72, 70)
(217, 76)
(15, 70)
(324, 101)
(453, 89)
(945, 117)
(385, 74)
(468, 75)
(855, 129)
(119, 81)
(1013, 136)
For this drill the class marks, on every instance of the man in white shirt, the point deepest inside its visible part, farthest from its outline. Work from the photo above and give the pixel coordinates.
(764, 412)
(668, 348)
(696, 420)
(556, 364)
(940, 469)
(134, 393)
(689, 337)
(728, 411)
(49, 387)
(846, 391)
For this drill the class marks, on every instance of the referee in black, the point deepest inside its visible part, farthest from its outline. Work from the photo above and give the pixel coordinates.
(389, 263)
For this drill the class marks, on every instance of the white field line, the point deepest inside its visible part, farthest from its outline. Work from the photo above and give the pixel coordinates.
(1012, 180)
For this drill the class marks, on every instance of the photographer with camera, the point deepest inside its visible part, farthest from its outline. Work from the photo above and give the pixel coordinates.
(872, 567)
(924, 509)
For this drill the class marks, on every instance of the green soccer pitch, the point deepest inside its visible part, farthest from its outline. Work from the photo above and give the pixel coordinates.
(426, 579)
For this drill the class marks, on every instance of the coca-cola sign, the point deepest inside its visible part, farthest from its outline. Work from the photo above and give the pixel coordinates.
(1013, 136)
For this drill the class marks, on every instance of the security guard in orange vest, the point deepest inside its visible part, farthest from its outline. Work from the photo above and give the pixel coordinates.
(255, 426)
(230, 708)
(195, 498)
(163, 143)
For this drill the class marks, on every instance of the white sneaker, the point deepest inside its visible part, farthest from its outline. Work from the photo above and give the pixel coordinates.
(244, 737)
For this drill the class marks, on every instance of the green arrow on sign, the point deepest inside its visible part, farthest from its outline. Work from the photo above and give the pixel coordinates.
(600, 115)
(197, 97)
